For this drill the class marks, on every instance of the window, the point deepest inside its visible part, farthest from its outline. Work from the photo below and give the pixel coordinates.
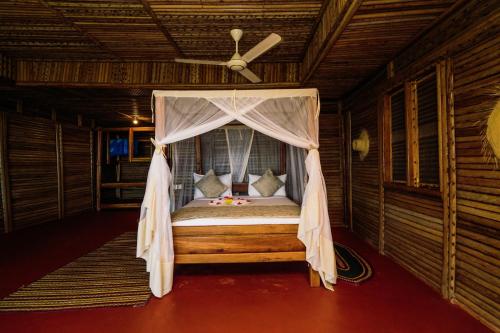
(411, 134)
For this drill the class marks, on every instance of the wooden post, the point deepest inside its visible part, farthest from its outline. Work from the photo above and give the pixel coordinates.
(108, 156)
(387, 139)
(60, 171)
(79, 120)
(452, 239)
(4, 172)
(98, 173)
(53, 114)
(412, 177)
(314, 278)
(382, 104)
(390, 70)
(199, 165)
(130, 144)
(348, 135)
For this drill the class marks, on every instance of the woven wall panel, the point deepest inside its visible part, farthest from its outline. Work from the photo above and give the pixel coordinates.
(330, 143)
(477, 73)
(32, 164)
(365, 174)
(76, 170)
(413, 234)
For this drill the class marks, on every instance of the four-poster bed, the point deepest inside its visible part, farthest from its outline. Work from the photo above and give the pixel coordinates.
(290, 116)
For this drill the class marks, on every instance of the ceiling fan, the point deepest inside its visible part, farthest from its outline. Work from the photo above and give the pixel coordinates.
(237, 62)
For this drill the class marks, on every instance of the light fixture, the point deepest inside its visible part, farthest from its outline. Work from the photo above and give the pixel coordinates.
(135, 121)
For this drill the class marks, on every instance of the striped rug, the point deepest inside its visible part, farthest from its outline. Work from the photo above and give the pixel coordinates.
(108, 276)
(351, 267)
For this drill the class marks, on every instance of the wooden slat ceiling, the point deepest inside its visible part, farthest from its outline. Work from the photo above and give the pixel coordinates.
(138, 31)
(379, 30)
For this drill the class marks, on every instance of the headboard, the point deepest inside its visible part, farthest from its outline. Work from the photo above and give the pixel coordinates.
(240, 187)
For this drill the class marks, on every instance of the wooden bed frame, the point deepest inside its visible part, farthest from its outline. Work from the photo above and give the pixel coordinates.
(240, 244)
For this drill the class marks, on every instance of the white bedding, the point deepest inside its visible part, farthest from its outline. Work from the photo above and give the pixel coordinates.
(259, 201)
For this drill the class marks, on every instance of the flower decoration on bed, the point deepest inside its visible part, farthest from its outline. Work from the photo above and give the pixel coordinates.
(229, 201)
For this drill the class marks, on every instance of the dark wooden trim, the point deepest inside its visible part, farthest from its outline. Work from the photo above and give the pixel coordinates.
(127, 129)
(240, 187)
(130, 144)
(108, 155)
(387, 139)
(98, 173)
(4, 174)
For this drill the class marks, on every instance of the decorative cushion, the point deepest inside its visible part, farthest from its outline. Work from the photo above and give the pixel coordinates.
(268, 184)
(252, 191)
(210, 185)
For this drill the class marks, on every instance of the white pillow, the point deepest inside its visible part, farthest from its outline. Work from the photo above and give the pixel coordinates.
(252, 191)
(225, 179)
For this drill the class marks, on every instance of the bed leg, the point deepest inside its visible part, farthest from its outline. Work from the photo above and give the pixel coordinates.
(314, 279)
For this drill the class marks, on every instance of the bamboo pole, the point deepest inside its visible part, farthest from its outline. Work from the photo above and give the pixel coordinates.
(98, 173)
(4, 172)
(452, 220)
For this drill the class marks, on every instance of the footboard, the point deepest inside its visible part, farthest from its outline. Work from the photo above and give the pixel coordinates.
(239, 244)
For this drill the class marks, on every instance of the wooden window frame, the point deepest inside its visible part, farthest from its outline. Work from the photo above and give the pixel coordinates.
(409, 86)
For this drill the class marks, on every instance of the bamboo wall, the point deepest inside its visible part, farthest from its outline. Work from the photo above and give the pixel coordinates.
(331, 154)
(46, 171)
(76, 170)
(477, 75)
(32, 170)
(365, 174)
(449, 239)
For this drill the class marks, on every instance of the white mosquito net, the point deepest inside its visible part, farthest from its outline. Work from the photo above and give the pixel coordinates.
(289, 115)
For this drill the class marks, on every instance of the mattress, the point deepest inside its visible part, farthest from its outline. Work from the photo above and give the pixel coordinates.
(258, 206)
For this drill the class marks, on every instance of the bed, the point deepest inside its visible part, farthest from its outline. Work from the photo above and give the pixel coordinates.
(264, 230)
(288, 115)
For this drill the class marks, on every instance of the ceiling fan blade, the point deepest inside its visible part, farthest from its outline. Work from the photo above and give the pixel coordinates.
(250, 75)
(265, 45)
(201, 62)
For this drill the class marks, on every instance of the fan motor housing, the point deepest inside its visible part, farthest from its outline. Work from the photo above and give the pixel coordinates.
(236, 64)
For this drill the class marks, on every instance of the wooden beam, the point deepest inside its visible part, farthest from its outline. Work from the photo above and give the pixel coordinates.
(60, 171)
(282, 170)
(4, 174)
(335, 18)
(161, 27)
(343, 165)
(130, 144)
(92, 167)
(151, 75)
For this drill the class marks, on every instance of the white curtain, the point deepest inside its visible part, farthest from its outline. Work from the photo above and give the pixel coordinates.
(289, 115)
(239, 142)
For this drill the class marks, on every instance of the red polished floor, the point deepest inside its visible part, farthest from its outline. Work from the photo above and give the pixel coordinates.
(231, 298)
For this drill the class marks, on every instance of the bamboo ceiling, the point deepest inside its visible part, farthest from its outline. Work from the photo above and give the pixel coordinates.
(130, 44)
